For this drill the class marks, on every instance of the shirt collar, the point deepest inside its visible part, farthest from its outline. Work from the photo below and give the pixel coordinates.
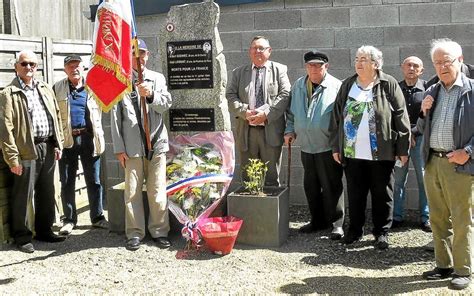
(72, 87)
(418, 85)
(457, 82)
(263, 66)
(25, 86)
(323, 83)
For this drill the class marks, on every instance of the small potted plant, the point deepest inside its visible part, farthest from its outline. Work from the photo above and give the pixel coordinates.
(263, 209)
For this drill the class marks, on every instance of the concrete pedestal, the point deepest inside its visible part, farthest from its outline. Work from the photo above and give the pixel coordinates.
(266, 219)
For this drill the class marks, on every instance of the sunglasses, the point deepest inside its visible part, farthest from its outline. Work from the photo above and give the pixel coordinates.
(31, 64)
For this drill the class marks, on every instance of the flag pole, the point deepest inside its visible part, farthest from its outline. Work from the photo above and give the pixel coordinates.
(146, 127)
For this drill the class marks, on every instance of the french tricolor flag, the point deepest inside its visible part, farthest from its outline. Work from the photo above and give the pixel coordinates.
(110, 78)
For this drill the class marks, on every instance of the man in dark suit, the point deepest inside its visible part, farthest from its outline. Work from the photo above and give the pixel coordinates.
(258, 95)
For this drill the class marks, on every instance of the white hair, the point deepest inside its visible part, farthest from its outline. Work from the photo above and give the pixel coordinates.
(25, 52)
(448, 45)
(374, 53)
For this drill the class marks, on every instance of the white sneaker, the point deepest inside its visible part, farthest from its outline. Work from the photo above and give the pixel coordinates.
(66, 229)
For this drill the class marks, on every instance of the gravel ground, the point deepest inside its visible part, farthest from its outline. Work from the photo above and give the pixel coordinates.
(93, 261)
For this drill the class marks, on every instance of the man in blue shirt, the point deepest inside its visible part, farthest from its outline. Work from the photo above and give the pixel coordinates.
(312, 100)
(84, 138)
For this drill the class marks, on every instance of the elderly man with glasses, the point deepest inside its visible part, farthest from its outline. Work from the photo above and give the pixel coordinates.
(448, 129)
(32, 140)
(312, 102)
(258, 95)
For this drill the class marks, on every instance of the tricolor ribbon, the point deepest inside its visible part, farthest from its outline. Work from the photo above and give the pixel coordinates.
(184, 183)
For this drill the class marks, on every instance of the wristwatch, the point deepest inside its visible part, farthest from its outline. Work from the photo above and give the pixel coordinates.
(468, 150)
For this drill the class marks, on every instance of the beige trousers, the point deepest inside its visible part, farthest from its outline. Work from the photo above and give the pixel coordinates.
(450, 197)
(137, 170)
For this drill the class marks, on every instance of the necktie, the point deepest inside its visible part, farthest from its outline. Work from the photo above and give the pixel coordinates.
(259, 101)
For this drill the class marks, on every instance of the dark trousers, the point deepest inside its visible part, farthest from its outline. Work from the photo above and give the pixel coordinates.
(375, 176)
(84, 148)
(37, 178)
(323, 189)
(259, 149)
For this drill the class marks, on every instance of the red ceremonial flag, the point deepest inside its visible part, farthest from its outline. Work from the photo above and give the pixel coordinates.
(110, 77)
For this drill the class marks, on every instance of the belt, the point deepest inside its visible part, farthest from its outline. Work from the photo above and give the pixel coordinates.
(440, 154)
(257, 126)
(78, 131)
(39, 140)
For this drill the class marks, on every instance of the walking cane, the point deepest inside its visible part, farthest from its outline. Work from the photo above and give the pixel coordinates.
(288, 176)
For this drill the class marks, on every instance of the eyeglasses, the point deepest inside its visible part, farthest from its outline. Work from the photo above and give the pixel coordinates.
(31, 64)
(260, 48)
(362, 60)
(444, 64)
(315, 65)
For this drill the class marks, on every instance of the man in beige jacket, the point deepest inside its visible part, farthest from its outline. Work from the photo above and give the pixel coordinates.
(84, 137)
(31, 139)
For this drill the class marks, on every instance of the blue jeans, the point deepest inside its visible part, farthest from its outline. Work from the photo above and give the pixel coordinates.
(401, 177)
(83, 147)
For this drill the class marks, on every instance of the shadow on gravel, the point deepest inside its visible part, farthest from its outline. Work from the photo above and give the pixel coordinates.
(341, 285)
(368, 258)
(7, 281)
(92, 239)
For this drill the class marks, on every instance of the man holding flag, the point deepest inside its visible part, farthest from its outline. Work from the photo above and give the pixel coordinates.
(140, 138)
(128, 124)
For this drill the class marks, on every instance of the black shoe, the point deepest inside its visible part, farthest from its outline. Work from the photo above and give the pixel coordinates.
(351, 238)
(396, 224)
(336, 233)
(381, 242)
(133, 244)
(426, 226)
(311, 227)
(26, 248)
(50, 238)
(437, 274)
(308, 228)
(162, 242)
(460, 282)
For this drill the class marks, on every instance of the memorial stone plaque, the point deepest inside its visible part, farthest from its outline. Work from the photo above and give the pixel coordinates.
(194, 65)
(201, 119)
(189, 64)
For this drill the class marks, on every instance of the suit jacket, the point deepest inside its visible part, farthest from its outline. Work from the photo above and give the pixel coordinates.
(276, 90)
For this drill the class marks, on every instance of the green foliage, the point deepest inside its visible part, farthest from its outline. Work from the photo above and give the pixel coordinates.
(256, 171)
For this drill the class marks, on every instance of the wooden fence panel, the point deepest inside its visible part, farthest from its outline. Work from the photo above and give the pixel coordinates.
(50, 52)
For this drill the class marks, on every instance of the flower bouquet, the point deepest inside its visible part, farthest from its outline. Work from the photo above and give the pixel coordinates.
(199, 171)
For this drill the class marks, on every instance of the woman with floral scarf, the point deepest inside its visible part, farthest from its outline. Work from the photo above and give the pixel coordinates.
(370, 132)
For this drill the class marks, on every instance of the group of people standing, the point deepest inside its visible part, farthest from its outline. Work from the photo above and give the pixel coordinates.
(40, 125)
(368, 126)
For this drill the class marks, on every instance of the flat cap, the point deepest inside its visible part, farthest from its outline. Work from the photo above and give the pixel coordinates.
(72, 57)
(315, 57)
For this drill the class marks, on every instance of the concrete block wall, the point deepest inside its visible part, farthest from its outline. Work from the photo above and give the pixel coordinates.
(398, 27)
